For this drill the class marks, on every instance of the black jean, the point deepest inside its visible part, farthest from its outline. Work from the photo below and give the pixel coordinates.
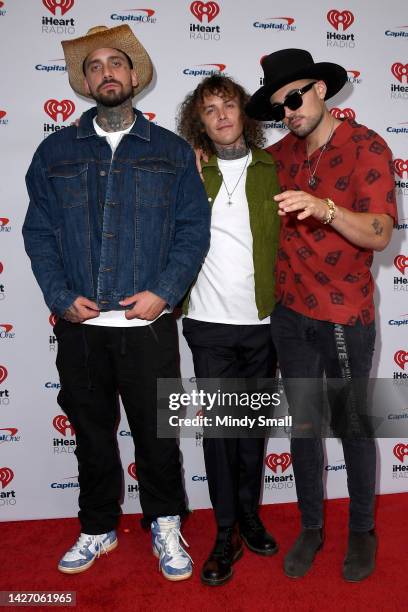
(306, 350)
(233, 465)
(95, 364)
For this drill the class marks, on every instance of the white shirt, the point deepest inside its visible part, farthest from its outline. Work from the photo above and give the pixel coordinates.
(225, 287)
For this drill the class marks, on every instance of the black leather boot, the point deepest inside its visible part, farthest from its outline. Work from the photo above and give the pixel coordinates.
(228, 548)
(255, 535)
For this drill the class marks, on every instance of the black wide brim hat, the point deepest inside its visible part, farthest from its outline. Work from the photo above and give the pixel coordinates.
(285, 66)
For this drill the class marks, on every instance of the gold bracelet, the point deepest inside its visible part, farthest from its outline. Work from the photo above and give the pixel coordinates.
(331, 212)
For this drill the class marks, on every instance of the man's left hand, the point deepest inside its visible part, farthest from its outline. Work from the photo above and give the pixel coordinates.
(147, 305)
(293, 201)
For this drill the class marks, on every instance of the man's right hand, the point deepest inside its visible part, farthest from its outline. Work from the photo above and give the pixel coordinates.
(81, 310)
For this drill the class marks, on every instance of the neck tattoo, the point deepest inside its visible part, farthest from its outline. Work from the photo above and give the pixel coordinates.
(235, 151)
(115, 118)
(312, 178)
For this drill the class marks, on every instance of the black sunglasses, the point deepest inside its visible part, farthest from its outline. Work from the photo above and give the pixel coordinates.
(292, 101)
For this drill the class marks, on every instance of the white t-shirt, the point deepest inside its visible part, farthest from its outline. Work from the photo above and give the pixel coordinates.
(116, 318)
(225, 288)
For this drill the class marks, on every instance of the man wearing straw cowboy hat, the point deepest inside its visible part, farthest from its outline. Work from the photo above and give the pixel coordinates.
(337, 206)
(116, 230)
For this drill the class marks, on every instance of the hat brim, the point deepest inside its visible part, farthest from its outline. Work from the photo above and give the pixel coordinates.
(120, 37)
(259, 106)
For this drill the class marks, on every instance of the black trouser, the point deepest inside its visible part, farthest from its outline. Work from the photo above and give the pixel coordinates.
(307, 349)
(96, 363)
(234, 465)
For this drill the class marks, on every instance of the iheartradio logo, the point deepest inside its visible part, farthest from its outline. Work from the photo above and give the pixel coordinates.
(401, 358)
(400, 451)
(52, 319)
(3, 373)
(201, 9)
(53, 108)
(343, 113)
(132, 470)
(61, 424)
(273, 461)
(401, 166)
(340, 18)
(400, 71)
(63, 5)
(401, 262)
(6, 476)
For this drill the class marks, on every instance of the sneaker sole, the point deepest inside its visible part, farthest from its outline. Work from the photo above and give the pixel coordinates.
(212, 582)
(83, 568)
(259, 551)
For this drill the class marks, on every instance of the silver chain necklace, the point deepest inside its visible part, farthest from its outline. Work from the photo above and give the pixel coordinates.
(230, 193)
(312, 179)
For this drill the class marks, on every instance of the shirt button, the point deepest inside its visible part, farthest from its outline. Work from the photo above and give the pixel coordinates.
(102, 173)
(210, 199)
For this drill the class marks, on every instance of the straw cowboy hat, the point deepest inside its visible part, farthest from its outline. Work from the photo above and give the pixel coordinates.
(121, 37)
(286, 66)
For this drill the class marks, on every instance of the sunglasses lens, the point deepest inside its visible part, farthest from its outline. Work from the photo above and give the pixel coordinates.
(278, 112)
(294, 101)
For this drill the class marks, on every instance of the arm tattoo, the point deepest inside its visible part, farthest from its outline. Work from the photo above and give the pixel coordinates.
(378, 228)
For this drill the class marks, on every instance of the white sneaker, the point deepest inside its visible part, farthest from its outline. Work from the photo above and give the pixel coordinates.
(174, 562)
(85, 550)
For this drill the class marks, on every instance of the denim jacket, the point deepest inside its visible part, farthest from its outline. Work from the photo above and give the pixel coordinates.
(108, 227)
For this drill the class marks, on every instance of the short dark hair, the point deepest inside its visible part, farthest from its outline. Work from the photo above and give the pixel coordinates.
(120, 51)
(190, 126)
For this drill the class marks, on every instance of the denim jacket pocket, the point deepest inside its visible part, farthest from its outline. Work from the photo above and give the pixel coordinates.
(70, 182)
(154, 180)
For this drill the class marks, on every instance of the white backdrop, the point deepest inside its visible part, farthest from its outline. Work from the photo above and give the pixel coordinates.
(38, 471)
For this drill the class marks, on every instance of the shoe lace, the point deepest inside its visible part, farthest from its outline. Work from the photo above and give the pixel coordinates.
(85, 540)
(223, 544)
(253, 521)
(171, 544)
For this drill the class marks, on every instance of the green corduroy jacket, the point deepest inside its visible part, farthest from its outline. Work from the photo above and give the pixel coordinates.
(261, 185)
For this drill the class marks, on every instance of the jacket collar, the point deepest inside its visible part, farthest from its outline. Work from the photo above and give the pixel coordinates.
(258, 155)
(141, 127)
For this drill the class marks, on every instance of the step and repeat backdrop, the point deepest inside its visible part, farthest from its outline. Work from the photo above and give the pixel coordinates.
(187, 41)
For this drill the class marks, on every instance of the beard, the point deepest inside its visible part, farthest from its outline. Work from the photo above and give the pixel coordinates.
(114, 97)
(308, 126)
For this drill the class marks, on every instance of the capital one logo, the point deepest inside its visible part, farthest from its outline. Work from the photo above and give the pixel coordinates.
(149, 116)
(6, 476)
(3, 373)
(53, 318)
(400, 451)
(343, 113)
(273, 461)
(201, 9)
(401, 166)
(63, 5)
(400, 71)
(7, 327)
(61, 424)
(1, 4)
(1, 267)
(401, 262)
(53, 108)
(3, 113)
(340, 18)
(3, 221)
(132, 470)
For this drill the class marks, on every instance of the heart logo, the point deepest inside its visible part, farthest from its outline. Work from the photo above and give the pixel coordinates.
(400, 451)
(337, 18)
(53, 318)
(132, 470)
(400, 71)
(3, 373)
(53, 108)
(401, 358)
(343, 113)
(401, 166)
(6, 476)
(64, 5)
(401, 262)
(273, 461)
(61, 424)
(199, 9)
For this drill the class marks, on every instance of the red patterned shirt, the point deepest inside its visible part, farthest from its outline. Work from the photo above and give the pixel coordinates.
(319, 272)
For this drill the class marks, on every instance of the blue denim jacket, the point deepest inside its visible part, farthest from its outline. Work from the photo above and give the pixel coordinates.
(108, 227)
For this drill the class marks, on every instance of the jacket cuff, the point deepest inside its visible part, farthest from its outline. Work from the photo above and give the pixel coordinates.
(64, 300)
